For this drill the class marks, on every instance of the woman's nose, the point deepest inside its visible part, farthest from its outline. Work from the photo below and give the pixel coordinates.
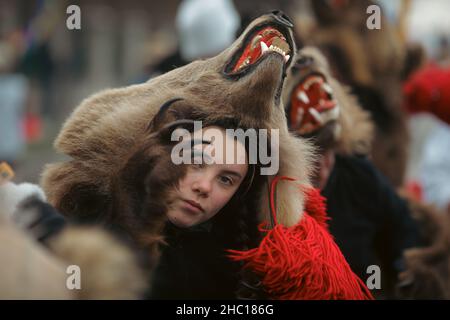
(203, 185)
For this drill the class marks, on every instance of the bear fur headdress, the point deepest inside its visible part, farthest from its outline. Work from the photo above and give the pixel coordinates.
(243, 82)
(323, 99)
(372, 63)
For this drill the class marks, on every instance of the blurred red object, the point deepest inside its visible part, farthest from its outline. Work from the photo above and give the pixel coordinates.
(32, 127)
(415, 190)
(428, 90)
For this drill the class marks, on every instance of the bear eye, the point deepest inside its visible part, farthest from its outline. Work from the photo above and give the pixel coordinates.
(303, 62)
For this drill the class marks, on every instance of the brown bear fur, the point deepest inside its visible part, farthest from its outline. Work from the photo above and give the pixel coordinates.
(30, 271)
(371, 61)
(109, 270)
(355, 128)
(374, 56)
(104, 130)
(427, 268)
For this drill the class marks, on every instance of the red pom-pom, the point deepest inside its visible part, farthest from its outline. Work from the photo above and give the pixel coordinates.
(427, 91)
(316, 207)
(303, 261)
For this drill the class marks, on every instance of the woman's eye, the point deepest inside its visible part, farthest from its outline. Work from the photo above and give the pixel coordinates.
(226, 180)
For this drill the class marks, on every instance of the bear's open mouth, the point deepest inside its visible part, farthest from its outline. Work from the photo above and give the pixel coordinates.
(260, 42)
(312, 104)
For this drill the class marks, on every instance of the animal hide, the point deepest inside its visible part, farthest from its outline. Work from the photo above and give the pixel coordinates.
(105, 129)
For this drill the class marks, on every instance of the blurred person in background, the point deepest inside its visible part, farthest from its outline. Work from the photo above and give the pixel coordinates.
(444, 51)
(204, 28)
(436, 167)
(371, 224)
(371, 62)
(13, 93)
(37, 64)
(426, 91)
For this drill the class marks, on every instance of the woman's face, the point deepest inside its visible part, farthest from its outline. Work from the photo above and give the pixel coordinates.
(207, 188)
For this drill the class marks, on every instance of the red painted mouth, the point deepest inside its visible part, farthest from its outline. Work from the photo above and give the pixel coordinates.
(265, 40)
(312, 104)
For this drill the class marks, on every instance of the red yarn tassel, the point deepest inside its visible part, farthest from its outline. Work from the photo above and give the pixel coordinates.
(303, 261)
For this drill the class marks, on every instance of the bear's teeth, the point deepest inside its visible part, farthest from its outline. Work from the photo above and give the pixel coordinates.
(316, 115)
(277, 49)
(330, 115)
(335, 111)
(302, 96)
(300, 116)
(264, 47)
(327, 88)
(244, 64)
(255, 41)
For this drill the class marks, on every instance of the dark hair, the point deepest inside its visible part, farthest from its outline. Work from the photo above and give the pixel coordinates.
(236, 225)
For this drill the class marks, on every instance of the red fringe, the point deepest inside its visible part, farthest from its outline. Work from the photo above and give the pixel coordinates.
(316, 206)
(303, 261)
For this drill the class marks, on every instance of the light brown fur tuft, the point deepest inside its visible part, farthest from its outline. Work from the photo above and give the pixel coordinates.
(108, 269)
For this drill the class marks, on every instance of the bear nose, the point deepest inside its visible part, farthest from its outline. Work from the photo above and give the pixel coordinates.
(281, 17)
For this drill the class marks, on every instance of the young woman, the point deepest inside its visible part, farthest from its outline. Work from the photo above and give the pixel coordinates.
(208, 213)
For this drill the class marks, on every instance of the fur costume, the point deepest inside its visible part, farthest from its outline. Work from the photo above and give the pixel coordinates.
(31, 270)
(362, 206)
(424, 268)
(354, 129)
(427, 268)
(371, 62)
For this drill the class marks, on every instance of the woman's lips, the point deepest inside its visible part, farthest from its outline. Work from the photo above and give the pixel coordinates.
(193, 206)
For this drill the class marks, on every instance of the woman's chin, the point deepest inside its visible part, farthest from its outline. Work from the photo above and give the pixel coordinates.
(183, 219)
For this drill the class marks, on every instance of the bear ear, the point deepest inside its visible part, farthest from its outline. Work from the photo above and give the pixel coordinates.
(163, 116)
(165, 133)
